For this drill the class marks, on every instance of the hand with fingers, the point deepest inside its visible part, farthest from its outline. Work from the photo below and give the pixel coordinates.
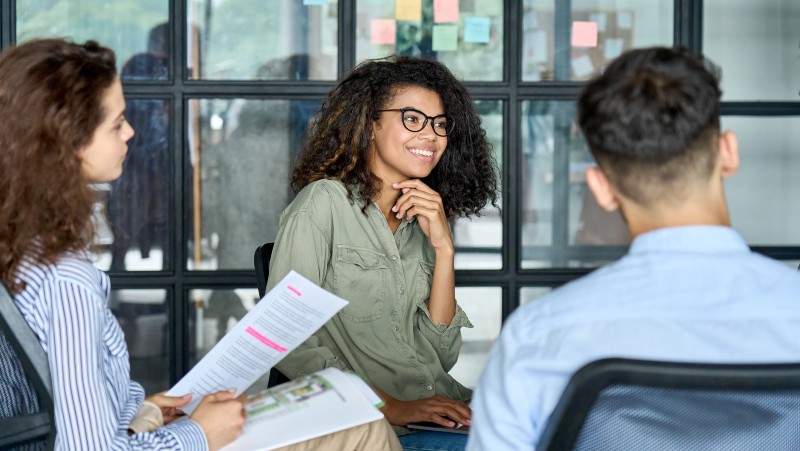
(169, 405)
(221, 416)
(420, 201)
(437, 409)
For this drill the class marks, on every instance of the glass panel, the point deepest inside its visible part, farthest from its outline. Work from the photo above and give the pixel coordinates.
(242, 153)
(598, 31)
(132, 214)
(467, 36)
(138, 31)
(254, 40)
(218, 311)
(143, 316)
(756, 44)
(763, 194)
(530, 294)
(562, 225)
(484, 307)
(479, 240)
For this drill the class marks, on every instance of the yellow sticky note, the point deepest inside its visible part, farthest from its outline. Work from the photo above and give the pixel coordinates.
(408, 10)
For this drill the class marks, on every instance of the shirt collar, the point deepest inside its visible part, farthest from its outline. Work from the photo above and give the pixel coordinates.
(698, 239)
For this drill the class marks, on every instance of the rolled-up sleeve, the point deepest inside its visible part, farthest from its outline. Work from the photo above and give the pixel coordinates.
(445, 339)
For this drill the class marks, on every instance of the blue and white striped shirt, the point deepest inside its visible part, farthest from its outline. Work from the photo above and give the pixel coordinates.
(95, 400)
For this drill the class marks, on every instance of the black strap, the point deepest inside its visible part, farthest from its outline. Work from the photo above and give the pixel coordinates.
(23, 341)
(33, 359)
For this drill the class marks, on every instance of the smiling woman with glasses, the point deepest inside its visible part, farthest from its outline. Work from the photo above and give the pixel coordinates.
(397, 151)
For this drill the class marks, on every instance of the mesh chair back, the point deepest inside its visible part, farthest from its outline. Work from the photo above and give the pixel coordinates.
(621, 404)
(26, 399)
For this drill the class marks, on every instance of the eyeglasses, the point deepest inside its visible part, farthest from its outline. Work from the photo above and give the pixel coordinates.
(416, 120)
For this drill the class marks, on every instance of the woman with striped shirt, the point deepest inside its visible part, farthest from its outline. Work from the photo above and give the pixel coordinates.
(64, 128)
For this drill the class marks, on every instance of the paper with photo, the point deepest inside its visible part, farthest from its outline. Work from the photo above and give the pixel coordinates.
(319, 404)
(282, 320)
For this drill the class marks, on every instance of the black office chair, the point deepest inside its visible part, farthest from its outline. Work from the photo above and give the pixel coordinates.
(261, 262)
(23, 357)
(623, 404)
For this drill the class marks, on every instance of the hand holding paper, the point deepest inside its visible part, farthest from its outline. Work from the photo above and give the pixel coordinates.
(281, 321)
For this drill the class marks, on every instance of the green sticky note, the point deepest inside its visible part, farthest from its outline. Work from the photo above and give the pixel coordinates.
(445, 38)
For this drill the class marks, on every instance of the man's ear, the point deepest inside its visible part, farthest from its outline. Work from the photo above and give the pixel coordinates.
(728, 154)
(601, 188)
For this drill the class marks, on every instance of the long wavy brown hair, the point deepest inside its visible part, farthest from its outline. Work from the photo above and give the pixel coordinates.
(337, 144)
(51, 94)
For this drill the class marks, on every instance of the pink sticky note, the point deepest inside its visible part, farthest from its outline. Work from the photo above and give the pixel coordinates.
(584, 34)
(383, 31)
(445, 11)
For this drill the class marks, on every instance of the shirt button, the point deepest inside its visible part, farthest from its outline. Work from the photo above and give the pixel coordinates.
(401, 291)
(429, 387)
(396, 328)
(394, 257)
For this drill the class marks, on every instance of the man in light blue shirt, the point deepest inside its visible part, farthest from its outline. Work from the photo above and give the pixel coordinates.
(689, 288)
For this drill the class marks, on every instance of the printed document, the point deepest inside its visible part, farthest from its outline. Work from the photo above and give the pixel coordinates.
(282, 320)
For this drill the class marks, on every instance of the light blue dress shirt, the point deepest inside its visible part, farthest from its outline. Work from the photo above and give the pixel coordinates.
(681, 294)
(94, 398)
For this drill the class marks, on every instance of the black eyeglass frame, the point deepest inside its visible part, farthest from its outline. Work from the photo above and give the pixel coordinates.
(449, 128)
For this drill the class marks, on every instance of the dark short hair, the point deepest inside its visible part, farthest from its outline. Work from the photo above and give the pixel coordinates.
(651, 120)
(337, 144)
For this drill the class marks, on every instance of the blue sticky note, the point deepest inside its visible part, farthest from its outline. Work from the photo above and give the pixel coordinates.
(476, 29)
(315, 2)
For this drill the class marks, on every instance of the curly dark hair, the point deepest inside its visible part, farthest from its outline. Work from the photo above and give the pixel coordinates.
(51, 94)
(337, 145)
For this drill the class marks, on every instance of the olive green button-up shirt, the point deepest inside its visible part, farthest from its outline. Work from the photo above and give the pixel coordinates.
(385, 334)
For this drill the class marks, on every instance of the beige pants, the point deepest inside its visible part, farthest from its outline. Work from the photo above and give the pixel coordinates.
(376, 436)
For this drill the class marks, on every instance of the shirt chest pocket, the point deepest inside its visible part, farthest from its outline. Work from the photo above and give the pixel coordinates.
(360, 278)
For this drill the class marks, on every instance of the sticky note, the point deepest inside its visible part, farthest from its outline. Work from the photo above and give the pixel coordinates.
(476, 29)
(445, 38)
(624, 20)
(601, 20)
(530, 19)
(612, 48)
(584, 34)
(408, 10)
(538, 46)
(582, 66)
(382, 31)
(315, 2)
(445, 11)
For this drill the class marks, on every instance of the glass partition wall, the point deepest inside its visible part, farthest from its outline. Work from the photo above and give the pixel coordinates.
(220, 93)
